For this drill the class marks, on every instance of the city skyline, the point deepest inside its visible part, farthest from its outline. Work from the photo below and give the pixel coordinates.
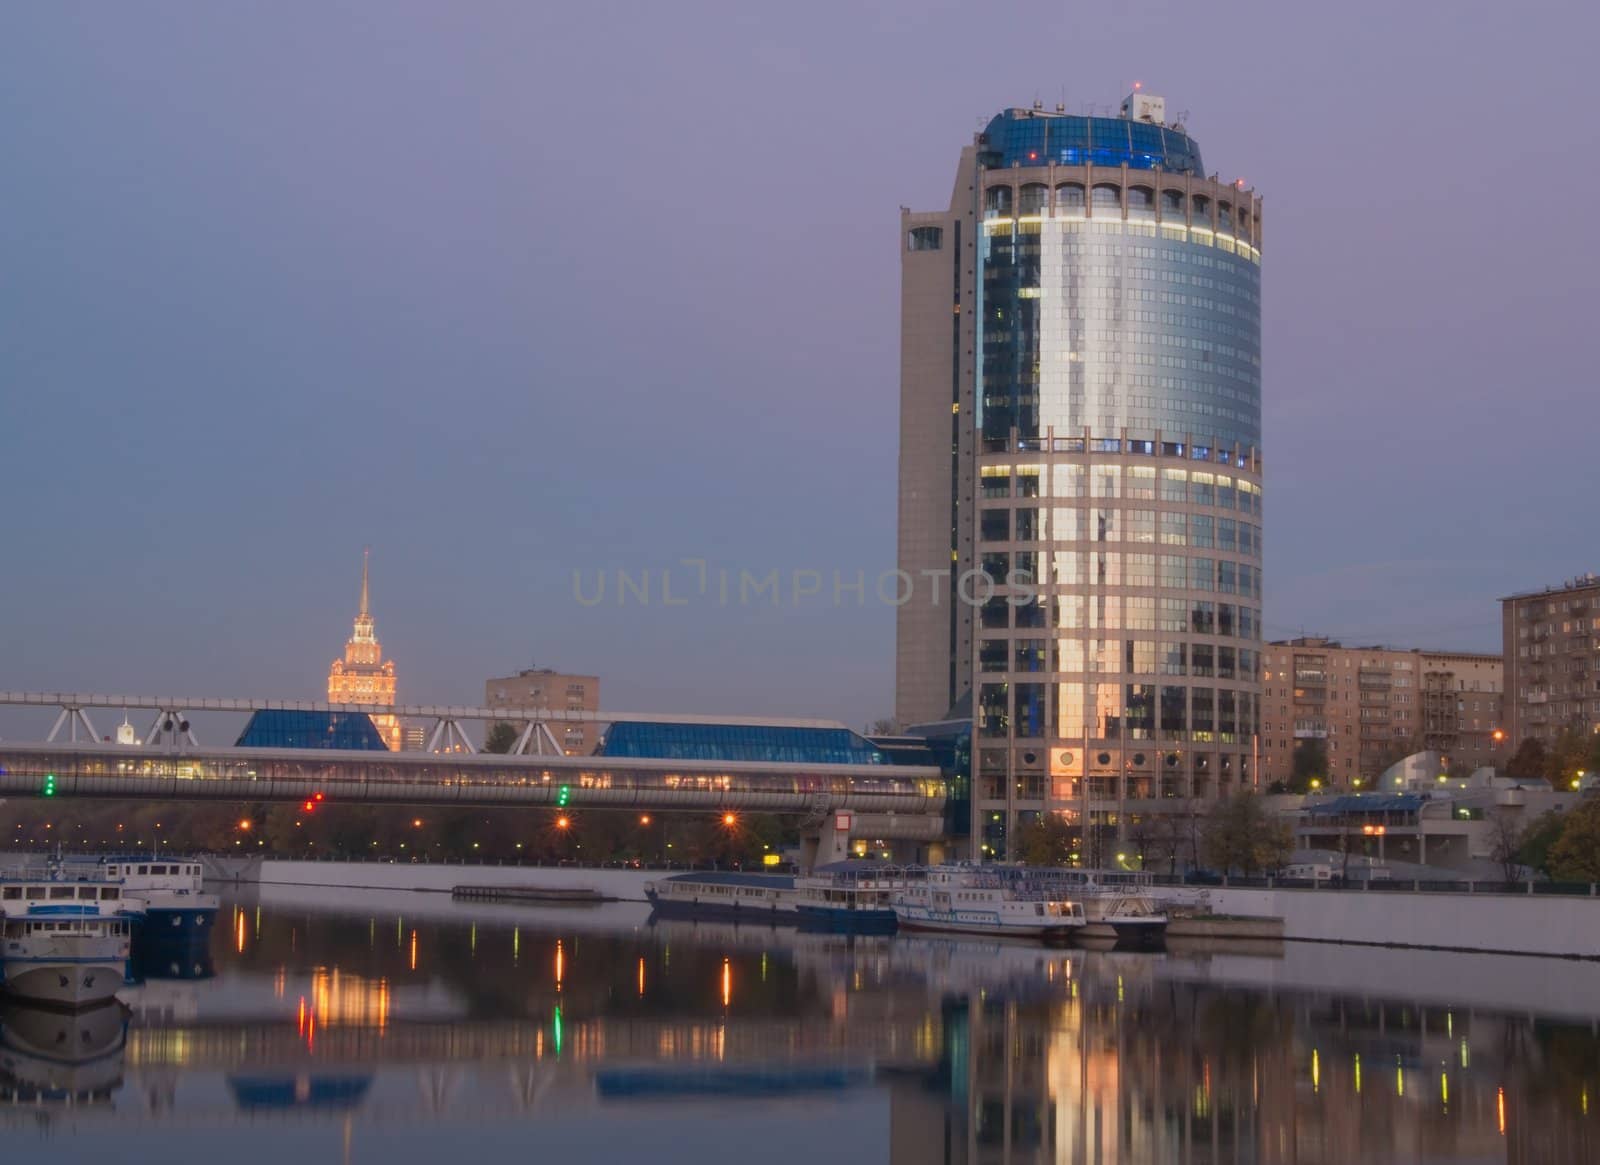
(376, 277)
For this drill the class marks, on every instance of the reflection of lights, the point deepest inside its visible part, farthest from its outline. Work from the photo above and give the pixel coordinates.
(413, 950)
(1500, 1108)
(340, 999)
(1465, 1060)
(561, 964)
(1316, 1071)
(1358, 1074)
(238, 931)
(727, 982)
(641, 976)
(555, 1029)
(516, 944)
(1444, 1090)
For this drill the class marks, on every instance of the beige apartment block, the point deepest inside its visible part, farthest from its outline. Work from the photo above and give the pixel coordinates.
(1552, 651)
(545, 688)
(1368, 705)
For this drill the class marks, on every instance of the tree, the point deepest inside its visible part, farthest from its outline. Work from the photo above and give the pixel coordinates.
(1569, 755)
(1529, 762)
(884, 726)
(1575, 855)
(1241, 835)
(1504, 838)
(502, 738)
(1533, 846)
(1047, 841)
(1310, 763)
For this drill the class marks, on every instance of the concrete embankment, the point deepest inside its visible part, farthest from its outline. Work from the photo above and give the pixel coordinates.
(1522, 924)
(626, 885)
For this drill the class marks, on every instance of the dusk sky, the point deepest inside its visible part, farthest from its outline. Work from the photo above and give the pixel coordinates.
(506, 291)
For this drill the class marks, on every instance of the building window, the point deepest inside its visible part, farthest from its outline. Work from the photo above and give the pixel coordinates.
(925, 239)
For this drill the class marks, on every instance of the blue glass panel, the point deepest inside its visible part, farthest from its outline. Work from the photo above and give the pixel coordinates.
(278, 728)
(1032, 138)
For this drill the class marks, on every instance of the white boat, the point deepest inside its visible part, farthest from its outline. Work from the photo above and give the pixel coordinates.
(723, 894)
(969, 899)
(64, 942)
(855, 897)
(173, 928)
(1118, 904)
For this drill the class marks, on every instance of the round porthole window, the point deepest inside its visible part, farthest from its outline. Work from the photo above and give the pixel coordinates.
(1103, 759)
(1065, 758)
(1172, 760)
(1029, 758)
(1138, 760)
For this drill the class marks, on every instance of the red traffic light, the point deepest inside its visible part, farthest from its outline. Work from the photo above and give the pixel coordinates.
(309, 806)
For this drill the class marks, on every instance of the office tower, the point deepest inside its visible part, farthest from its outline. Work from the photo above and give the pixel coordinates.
(1080, 471)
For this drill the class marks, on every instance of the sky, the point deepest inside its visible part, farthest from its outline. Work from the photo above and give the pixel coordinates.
(523, 296)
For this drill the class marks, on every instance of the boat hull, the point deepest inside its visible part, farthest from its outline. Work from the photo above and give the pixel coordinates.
(842, 921)
(945, 924)
(65, 981)
(669, 907)
(169, 930)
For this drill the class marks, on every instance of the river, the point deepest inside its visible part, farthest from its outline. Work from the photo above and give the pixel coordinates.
(403, 1029)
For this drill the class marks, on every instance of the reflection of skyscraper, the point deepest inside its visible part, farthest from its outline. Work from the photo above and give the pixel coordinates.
(1080, 468)
(363, 676)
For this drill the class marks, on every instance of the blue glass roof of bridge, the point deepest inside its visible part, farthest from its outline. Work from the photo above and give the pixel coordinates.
(740, 742)
(1027, 138)
(282, 728)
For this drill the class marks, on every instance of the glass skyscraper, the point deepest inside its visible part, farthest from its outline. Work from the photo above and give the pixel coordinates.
(1080, 474)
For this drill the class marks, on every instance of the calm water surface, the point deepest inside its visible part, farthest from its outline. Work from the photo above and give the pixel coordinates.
(403, 1030)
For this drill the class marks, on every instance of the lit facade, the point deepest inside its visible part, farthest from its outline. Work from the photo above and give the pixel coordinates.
(1552, 653)
(1080, 473)
(363, 676)
(1369, 705)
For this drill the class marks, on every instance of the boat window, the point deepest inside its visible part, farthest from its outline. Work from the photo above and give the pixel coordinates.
(35, 891)
(60, 892)
(87, 893)
(13, 892)
(111, 871)
(158, 869)
(144, 869)
(1038, 907)
(109, 892)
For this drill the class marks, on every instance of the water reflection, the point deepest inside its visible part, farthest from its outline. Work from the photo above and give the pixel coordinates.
(965, 1052)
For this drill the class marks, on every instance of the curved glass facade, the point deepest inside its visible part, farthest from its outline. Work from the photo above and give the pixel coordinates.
(1025, 137)
(1110, 324)
(1118, 421)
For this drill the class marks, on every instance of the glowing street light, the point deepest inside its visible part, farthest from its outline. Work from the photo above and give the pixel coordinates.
(730, 820)
(562, 823)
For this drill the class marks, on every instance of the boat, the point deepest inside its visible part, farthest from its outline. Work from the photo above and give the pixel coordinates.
(63, 941)
(174, 926)
(728, 895)
(851, 897)
(1118, 904)
(963, 898)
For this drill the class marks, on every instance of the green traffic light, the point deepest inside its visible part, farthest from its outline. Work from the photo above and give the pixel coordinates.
(563, 795)
(49, 785)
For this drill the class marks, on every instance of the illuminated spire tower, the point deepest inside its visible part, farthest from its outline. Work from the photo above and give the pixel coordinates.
(363, 676)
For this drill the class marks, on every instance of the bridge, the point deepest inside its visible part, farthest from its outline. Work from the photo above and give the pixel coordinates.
(170, 764)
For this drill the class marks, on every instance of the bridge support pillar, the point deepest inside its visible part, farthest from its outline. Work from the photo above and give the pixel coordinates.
(831, 842)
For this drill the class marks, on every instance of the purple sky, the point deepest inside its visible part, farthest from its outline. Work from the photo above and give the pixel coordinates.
(508, 290)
